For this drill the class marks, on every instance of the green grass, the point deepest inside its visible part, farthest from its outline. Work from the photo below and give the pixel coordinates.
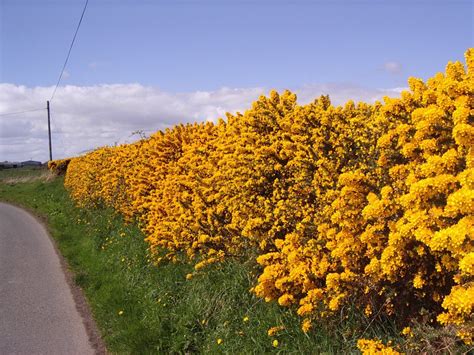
(142, 308)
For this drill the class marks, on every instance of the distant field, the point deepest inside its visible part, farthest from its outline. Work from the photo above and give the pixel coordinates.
(26, 174)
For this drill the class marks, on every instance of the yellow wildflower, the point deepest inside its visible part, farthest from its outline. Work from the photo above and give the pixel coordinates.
(275, 330)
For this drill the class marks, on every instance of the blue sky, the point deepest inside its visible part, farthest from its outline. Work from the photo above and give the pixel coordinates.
(147, 65)
(207, 44)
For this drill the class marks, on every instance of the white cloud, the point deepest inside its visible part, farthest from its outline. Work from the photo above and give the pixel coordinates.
(87, 117)
(392, 67)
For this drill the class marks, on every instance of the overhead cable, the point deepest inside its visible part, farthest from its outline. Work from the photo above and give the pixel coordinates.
(70, 49)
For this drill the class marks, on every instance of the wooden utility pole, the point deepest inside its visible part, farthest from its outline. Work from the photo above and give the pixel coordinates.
(49, 132)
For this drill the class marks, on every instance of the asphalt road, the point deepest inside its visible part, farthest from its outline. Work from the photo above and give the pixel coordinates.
(37, 310)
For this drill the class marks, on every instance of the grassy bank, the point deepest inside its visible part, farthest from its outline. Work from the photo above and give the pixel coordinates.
(142, 308)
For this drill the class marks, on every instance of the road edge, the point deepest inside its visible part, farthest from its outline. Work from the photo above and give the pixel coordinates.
(78, 295)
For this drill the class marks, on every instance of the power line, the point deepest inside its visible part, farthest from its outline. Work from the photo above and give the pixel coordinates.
(20, 112)
(70, 49)
(62, 70)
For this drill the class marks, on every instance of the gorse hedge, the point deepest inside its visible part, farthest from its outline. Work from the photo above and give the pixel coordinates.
(367, 206)
(58, 167)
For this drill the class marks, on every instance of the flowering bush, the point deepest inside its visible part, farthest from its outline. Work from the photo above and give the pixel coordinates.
(59, 166)
(368, 205)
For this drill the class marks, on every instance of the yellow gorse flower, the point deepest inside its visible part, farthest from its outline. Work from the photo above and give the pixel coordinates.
(275, 330)
(375, 347)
